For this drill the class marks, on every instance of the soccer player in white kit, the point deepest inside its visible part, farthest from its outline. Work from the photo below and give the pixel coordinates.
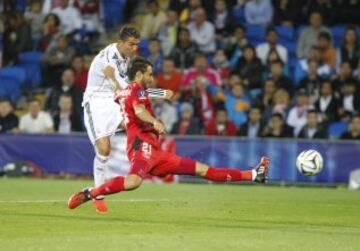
(102, 117)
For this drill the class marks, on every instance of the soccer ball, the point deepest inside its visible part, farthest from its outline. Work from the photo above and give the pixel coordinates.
(309, 162)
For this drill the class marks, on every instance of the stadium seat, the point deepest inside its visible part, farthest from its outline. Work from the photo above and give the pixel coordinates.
(255, 32)
(9, 88)
(286, 33)
(30, 61)
(239, 15)
(336, 129)
(113, 12)
(337, 33)
(15, 72)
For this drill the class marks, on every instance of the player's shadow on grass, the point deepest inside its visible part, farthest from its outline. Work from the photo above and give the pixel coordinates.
(288, 226)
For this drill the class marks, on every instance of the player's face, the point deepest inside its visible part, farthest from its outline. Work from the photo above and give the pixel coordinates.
(147, 77)
(128, 48)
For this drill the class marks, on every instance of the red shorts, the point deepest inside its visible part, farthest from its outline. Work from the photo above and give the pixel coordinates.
(147, 159)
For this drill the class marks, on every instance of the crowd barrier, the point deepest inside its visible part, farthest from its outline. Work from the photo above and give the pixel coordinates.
(74, 154)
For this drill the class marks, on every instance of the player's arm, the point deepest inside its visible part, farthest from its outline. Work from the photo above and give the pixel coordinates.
(144, 115)
(109, 73)
(159, 93)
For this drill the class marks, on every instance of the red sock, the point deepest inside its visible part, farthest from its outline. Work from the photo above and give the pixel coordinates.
(226, 174)
(114, 185)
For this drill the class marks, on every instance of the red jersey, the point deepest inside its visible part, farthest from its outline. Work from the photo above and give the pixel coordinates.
(137, 130)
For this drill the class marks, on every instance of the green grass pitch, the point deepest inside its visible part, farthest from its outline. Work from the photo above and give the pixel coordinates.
(33, 216)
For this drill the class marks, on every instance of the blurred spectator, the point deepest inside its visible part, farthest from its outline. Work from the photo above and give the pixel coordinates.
(315, 55)
(17, 38)
(277, 74)
(35, 18)
(263, 50)
(187, 15)
(287, 12)
(153, 21)
(184, 51)
(36, 120)
(277, 128)
(350, 100)
(222, 19)
(267, 94)
(309, 36)
(221, 64)
(250, 68)
(187, 125)
(69, 16)
(8, 120)
(166, 112)
(345, 74)
(234, 48)
(357, 72)
(202, 70)
(325, 7)
(65, 121)
(81, 72)
(327, 49)
(221, 125)
(67, 87)
(51, 29)
(312, 129)
(258, 12)
(297, 115)
(236, 103)
(328, 104)
(280, 104)
(254, 127)
(202, 32)
(156, 57)
(168, 32)
(348, 12)
(89, 10)
(350, 49)
(169, 78)
(311, 82)
(354, 129)
(55, 60)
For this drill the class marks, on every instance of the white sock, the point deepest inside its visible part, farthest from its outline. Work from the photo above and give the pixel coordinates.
(100, 167)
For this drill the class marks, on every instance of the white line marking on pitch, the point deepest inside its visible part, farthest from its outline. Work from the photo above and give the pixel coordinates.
(64, 201)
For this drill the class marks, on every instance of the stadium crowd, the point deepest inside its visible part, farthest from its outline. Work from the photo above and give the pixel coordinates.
(253, 68)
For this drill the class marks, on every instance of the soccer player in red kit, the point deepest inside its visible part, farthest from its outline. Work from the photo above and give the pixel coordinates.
(143, 148)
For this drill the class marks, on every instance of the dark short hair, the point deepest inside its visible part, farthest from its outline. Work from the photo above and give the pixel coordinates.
(325, 35)
(312, 111)
(56, 17)
(278, 115)
(240, 26)
(271, 29)
(277, 61)
(128, 32)
(258, 107)
(137, 64)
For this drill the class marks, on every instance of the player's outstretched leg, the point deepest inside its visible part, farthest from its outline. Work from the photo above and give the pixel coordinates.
(102, 149)
(115, 185)
(258, 174)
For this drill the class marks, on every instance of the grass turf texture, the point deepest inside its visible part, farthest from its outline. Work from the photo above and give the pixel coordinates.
(179, 217)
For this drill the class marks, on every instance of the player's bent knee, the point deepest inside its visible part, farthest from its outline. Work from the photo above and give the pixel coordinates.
(201, 169)
(132, 182)
(103, 146)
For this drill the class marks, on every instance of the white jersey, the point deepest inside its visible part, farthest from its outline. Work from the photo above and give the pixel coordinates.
(97, 85)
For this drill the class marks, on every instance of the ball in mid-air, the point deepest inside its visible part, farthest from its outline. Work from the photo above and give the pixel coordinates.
(309, 162)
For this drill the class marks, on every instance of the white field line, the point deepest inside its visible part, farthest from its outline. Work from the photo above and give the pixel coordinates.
(65, 201)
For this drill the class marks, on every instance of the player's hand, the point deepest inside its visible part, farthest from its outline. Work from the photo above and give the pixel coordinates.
(169, 94)
(109, 71)
(159, 127)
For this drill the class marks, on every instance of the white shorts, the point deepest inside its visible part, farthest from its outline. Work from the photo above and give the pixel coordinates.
(102, 118)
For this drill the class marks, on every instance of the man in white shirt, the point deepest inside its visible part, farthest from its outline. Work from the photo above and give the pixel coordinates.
(202, 32)
(263, 50)
(102, 116)
(70, 17)
(36, 121)
(258, 12)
